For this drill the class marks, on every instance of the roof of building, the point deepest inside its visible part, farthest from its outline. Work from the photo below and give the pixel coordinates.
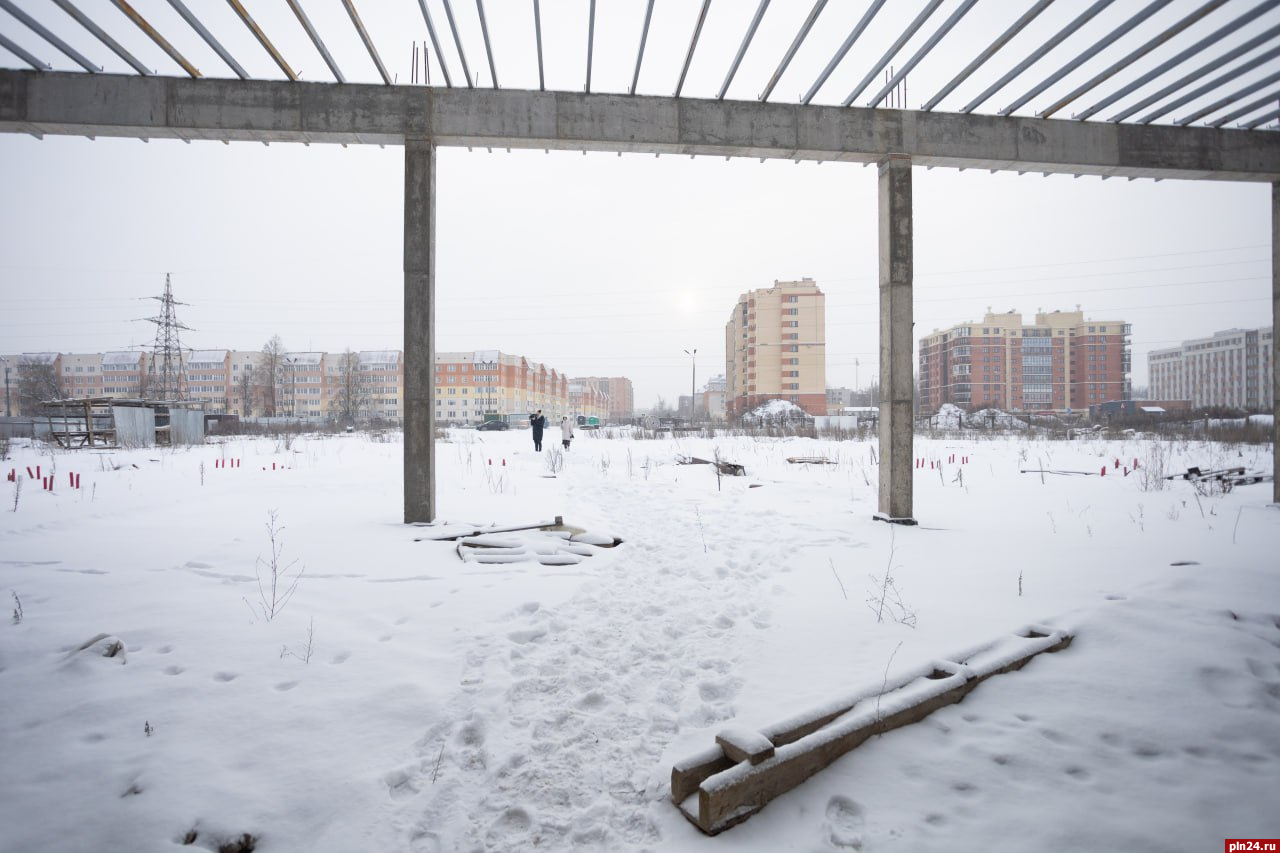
(122, 358)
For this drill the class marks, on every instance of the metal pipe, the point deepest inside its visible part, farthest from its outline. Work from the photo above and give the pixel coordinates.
(924, 51)
(644, 37)
(435, 42)
(1262, 119)
(742, 49)
(1080, 59)
(68, 7)
(315, 39)
(693, 43)
(364, 37)
(20, 52)
(844, 48)
(591, 38)
(195, 24)
(795, 46)
(537, 31)
(1181, 57)
(453, 26)
(1082, 19)
(991, 51)
(155, 36)
(44, 33)
(915, 25)
(1245, 110)
(261, 37)
(1139, 52)
(1212, 65)
(488, 48)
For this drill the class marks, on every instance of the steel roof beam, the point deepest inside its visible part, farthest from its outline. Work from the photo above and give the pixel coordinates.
(1181, 57)
(924, 50)
(693, 42)
(1137, 53)
(453, 27)
(21, 52)
(644, 37)
(795, 46)
(1057, 38)
(315, 39)
(843, 49)
(1262, 120)
(44, 33)
(906, 34)
(1094, 50)
(208, 38)
(488, 48)
(435, 42)
(364, 37)
(1211, 65)
(991, 50)
(1230, 99)
(68, 7)
(1246, 109)
(591, 38)
(537, 32)
(154, 35)
(262, 38)
(742, 48)
(1226, 77)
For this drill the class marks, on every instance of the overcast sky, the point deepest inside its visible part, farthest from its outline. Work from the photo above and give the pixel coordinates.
(593, 264)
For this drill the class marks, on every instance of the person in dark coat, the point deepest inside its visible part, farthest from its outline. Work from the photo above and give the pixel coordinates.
(539, 422)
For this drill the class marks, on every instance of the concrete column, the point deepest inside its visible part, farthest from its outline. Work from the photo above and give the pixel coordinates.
(896, 327)
(1275, 340)
(419, 330)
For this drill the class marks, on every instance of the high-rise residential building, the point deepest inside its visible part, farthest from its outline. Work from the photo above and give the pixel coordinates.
(776, 348)
(1060, 362)
(472, 385)
(1231, 368)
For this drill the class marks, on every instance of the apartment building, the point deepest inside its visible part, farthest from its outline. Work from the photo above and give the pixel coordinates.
(1059, 362)
(317, 386)
(620, 393)
(775, 348)
(1230, 368)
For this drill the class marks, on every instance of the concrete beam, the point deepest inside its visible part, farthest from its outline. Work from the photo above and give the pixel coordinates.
(419, 330)
(1275, 340)
(77, 104)
(897, 391)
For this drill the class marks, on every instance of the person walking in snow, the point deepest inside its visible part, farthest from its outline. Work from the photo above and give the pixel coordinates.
(539, 422)
(566, 431)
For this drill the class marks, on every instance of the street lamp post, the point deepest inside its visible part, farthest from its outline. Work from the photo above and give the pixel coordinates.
(693, 381)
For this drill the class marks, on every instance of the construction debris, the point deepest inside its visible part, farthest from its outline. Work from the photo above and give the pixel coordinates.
(728, 469)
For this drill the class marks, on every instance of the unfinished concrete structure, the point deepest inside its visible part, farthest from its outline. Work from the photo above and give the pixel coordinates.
(896, 140)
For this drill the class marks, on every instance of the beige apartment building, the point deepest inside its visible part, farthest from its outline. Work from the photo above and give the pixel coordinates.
(317, 386)
(776, 348)
(619, 393)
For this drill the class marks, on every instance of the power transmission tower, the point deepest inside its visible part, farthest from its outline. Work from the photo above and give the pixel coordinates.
(167, 378)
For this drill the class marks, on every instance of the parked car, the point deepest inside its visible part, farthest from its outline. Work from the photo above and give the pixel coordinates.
(494, 425)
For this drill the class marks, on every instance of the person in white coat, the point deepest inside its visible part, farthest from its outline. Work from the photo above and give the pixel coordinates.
(566, 431)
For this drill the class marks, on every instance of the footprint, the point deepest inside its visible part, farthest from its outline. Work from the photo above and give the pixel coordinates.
(400, 784)
(340, 657)
(225, 676)
(173, 670)
(1078, 773)
(844, 823)
(164, 650)
(286, 686)
(509, 829)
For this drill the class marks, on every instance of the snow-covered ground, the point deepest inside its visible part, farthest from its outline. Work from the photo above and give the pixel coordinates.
(406, 699)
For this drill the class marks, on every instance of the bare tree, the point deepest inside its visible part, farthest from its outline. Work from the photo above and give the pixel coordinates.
(37, 381)
(272, 367)
(353, 396)
(247, 388)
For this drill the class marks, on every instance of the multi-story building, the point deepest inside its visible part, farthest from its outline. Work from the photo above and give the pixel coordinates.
(776, 348)
(318, 386)
(1231, 368)
(1060, 362)
(621, 395)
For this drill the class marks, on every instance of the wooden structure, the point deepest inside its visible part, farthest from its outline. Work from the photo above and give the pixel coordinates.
(734, 779)
(80, 420)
